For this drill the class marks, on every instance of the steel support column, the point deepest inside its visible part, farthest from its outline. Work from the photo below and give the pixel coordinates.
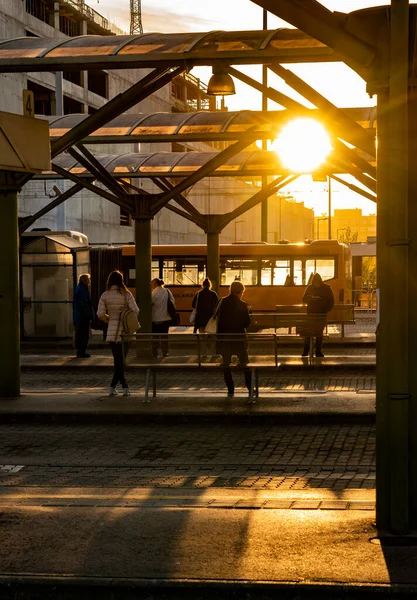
(393, 343)
(213, 230)
(9, 290)
(143, 265)
(412, 313)
(264, 203)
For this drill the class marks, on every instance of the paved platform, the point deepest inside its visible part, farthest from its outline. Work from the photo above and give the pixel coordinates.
(189, 512)
(308, 406)
(349, 359)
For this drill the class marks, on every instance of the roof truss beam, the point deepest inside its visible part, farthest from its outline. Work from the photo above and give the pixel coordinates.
(29, 221)
(354, 188)
(293, 105)
(267, 191)
(204, 171)
(300, 110)
(166, 185)
(357, 134)
(88, 185)
(320, 23)
(199, 222)
(120, 103)
(95, 167)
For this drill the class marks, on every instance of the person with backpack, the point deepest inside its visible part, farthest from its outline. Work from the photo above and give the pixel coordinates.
(161, 318)
(113, 307)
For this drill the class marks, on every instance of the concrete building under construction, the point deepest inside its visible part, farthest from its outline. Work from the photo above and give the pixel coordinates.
(86, 91)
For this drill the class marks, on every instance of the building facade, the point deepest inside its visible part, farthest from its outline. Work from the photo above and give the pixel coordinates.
(347, 225)
(85, 92)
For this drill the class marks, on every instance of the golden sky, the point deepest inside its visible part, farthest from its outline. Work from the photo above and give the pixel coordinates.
(335, 81)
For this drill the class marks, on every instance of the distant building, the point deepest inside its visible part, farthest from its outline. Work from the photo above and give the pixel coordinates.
(287, 220)
(361, 226)
(85, 92)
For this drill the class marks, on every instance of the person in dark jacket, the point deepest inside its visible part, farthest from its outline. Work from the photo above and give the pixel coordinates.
(83, 314)
(320, 300)
(205, 302)
(233, 318)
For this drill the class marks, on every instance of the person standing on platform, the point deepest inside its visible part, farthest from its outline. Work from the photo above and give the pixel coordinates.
(110, 307)
(160, 316)
(320, 300)
(234, 318)
(83, 314)
(204, 302)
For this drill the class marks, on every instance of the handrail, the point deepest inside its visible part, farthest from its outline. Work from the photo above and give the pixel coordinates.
(202, 338)
(249, 338)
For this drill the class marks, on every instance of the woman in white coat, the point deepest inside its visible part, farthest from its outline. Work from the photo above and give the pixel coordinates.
(110, 307)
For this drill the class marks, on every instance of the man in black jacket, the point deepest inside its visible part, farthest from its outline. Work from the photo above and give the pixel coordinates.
(320, 300)
(234, 318)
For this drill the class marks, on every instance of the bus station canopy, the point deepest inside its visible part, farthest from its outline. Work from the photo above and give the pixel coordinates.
(193, 126)
(25, 54)
(181, 164)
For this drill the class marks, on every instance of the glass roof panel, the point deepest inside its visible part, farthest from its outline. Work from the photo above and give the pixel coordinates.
(126, 162)
(62, 125)
(232, 41)
(89, 44)
(159, 123)
(28, 54)
(179, 163)
(208, 122)
(28, 47)
(121, 125)
(191, 161)
(159, 42)
(262, 161)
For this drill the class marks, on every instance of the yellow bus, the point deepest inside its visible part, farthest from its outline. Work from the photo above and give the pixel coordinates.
(272, 273)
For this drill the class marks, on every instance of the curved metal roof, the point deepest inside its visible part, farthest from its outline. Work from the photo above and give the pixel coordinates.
(177, 164)
(195, 126)
(26, 54)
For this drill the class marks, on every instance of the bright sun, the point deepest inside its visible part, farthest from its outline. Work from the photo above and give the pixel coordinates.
(303, 145)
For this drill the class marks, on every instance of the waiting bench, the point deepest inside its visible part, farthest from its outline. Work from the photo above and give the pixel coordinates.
(288, 316)
(181, 359)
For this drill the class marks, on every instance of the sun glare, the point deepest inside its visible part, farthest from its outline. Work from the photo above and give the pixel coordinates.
(302, 145)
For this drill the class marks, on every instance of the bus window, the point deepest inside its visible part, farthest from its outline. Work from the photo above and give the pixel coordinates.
(324, 266)
(189, 274)
(168, 272)
(132, 273)
(245, 271)
(155, 269)
(282, 268)
(266, 272)
(183, 272)
(299, 273)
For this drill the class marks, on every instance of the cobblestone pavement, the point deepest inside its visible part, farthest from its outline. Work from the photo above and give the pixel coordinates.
(245, 457)
(90, 379)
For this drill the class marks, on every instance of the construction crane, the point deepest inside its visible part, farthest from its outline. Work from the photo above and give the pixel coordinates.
(136, 17)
